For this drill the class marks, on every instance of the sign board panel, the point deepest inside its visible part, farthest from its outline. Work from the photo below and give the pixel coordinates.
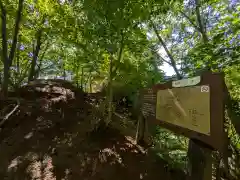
(192, 107)
(187, 107)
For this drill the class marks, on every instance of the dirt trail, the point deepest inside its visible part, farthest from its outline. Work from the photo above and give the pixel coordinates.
(45, 145)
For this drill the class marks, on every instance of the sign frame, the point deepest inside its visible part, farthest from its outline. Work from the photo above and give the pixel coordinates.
(217, 137)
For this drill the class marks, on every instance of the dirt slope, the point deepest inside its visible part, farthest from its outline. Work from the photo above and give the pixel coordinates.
(58, 142)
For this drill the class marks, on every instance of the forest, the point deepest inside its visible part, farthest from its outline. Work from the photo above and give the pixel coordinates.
(102, 53)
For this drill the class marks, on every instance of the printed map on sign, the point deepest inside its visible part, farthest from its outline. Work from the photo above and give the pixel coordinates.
(187, 107)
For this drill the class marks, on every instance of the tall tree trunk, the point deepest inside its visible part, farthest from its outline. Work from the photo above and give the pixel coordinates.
(18, 57)
(120, 53)
(82, 79)
(0, 80)
(203, 32)
(110, 79)
(77, 77)
(110, 91)
(64, 71)
(36, 50)
(199, 26)
(172, 61)
(200, 22)
(16, 31)
(17, 64)
(4, 49)
(90, 85)
(8, 59)
(85, 86)
(88, 80)
(41, 59)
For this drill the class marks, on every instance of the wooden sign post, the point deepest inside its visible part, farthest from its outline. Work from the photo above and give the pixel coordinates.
(191, 107)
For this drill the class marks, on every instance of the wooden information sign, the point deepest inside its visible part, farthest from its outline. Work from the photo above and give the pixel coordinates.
(192, 107)
(187, 107)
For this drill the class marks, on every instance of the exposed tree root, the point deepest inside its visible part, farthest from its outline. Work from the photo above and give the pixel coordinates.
(6, 117)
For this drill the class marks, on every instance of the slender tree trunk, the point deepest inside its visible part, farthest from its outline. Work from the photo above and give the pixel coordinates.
(4, 49)
(85, 86)
(0, 81)
(110, 79)
(77, 84)
(172, 61)
(17, 63)
(64, 71)
(110, 91)
(6, 78)
(200, 23)
(86, 82)
(16, 31)
(8, 59)
(41, 59)
(36, 50)
(199, 26)
(18, 57)
(82, 79)
(203, 32)
(77, 77)
(120, 53)
(90, 85)
(64, 74)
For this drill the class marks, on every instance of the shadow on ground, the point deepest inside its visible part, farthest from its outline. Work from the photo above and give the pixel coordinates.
(41, 150)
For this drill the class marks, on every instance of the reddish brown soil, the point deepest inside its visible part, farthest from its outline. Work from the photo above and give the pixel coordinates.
(40, 144)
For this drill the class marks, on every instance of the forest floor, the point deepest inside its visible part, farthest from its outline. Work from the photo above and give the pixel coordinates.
(41, 142)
